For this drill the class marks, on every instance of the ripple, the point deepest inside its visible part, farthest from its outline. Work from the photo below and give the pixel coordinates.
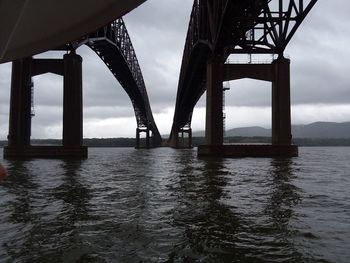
(164, 205)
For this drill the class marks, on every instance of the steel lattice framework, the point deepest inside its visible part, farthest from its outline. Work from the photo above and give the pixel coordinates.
(273, 29)
(113, 45)
(224, 27)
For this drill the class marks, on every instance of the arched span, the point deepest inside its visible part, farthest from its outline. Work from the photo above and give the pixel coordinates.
(113, 45)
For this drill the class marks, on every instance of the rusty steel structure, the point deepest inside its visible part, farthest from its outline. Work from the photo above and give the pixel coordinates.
(113, 45)
(224, 27)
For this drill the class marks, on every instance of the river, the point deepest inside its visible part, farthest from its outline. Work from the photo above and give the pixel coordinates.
(166, 205)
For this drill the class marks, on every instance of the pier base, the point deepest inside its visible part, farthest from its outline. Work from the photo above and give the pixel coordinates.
(49, 152)
(249, 150)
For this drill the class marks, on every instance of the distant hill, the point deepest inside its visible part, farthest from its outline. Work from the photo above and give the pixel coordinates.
(314, 134)
(317, 130)
(322, 130)
(248, 132)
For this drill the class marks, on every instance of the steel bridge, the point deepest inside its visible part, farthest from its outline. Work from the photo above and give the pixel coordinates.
(113, 45)
(219, 28)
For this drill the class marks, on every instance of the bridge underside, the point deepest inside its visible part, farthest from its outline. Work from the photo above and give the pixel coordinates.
(32, 27)
(222, 28)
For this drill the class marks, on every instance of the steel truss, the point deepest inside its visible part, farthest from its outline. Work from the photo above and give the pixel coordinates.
(113, 45)
(274, 27)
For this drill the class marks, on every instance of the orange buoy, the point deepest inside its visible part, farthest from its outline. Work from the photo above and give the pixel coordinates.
(3, 173)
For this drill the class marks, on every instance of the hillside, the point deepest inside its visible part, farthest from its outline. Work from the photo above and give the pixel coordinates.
(317, 130)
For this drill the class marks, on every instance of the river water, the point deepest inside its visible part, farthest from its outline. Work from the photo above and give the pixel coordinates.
(166, 205)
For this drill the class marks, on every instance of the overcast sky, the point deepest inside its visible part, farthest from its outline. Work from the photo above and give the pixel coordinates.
(320, 77)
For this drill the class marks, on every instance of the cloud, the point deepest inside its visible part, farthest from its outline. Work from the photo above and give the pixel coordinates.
(320, 79)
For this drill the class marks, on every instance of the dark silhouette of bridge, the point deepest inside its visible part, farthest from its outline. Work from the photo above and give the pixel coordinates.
(113, 45)
(217, 29)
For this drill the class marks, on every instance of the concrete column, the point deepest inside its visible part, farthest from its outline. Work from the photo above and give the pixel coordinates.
(190, 138)
(137, 138)
(72, 101)
(214, 115)
(20, 103)
(147, 138)
(176, 138)
(281, 117)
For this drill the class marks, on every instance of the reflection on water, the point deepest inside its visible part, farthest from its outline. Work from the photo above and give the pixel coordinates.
(210, 227)
(163, 205)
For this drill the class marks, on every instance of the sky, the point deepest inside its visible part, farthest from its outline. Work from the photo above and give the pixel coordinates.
(320, 77)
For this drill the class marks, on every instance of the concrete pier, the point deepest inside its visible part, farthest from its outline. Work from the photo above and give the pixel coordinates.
(47, 152)
(20, 108)
(147, 140)
(248, 150)
(72, 101)
(214, 110)
(278, 72)
(281, 116)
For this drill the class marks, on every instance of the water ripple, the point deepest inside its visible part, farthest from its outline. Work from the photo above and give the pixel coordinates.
(164, 205)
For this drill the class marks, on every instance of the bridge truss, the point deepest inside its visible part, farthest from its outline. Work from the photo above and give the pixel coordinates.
(113, 45)
(224, 27)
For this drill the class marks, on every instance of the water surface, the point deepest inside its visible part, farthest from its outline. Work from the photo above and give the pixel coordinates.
(166, 205)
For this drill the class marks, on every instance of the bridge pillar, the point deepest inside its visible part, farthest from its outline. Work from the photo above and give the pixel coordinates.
(281, 116)
(137, 146)
(147, 138)
(147, 142)
(20, 108)
(279, 74)
(20, 103)
(72, 101)
(174, 138)
(182, 141)
(214, 109)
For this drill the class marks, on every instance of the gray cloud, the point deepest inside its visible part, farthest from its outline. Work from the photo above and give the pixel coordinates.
(319, 65)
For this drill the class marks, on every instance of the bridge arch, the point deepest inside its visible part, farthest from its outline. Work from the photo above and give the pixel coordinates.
(113, 46)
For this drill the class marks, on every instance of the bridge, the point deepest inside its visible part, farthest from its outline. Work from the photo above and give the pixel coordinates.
(218, 29)
(113, 45)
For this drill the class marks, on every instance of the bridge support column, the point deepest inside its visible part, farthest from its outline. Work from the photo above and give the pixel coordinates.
(184, 142)
(279, 74)
(182, 138)
(281, 116)
(72, 101)
(147, 138)
(214, 110)
(147, 141)
(20, 104)
(137, 146)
